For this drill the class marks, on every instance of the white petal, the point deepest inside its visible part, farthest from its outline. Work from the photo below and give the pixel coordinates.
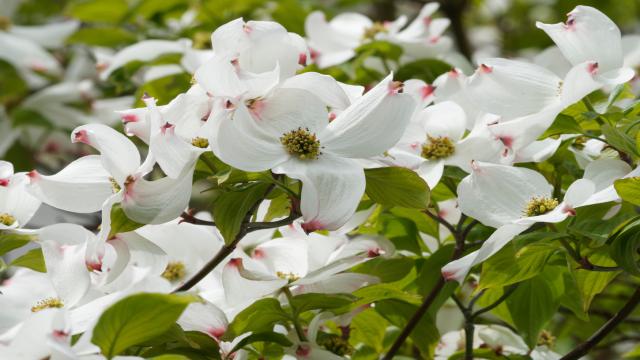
(173, 154)
(457, 270)
(518, 133)
(238, 142)
(64, 248)
(579, 82)
(204, 317)
(431, 171)
(119, 155)
(497, 194)
(340, 283)
(513, 88)
(589, 35)
(538, 151)
(332, 46)
(445, 119)
(371, 125)
(326, 272)
(81, 186)
(158, 201)
(603, 172)
(239, 289)
(219, 78)
(50, 36)
(579, 192)
(284, 255)
(17, 201)
(143, 51)
(331, 189)
(290, 109)
(323, 86)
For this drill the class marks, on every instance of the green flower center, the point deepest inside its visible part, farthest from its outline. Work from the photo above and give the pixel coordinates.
(438, 147)
(301, 143)
(7, 219)
(175, 271)
(540, 205)
(578, 143)
(291, 277)
(335, 343)
(200, 142)
(114, 185)
(48, 303)
(547, 339)
(5, 23)
(375, 29)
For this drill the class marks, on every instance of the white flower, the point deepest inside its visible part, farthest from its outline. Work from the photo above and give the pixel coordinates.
(290, 133)
(512, 199)
(435, 138)
(334, 42)
(17, 205)
(97, 182)
(589, 35)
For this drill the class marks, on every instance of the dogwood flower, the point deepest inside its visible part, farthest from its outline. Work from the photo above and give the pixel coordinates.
(334, 42)
(512, 199)
(589, 35)
(17, 205)
(290, 133)
(435, 138)
(96, 182)
(496, 337)
(295, 261)
(24, 48)
(527, 97)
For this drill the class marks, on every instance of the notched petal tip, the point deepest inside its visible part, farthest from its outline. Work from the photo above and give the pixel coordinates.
(312, 226)
(80, 136)
(485, 69)
(396, 87)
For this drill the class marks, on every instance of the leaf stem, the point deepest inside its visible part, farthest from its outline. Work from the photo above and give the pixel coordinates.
(294, 313)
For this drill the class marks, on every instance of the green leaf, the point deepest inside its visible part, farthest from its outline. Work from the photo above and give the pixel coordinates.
(531, 306)
(429, 276)
(231, 208)
(257, 317)
(381, 49)
(101, 11)
(396, 186)
(619, 140)
(268, 336)
(387, 270)
(592, 283)
(369, 328)
(9, 241)
(563, 124)
(316, 301)
(423, 222)
(136, 319)
(379, 292)
(111, 36)
(120, 223)
(279, 206)
(625, 249)
(12, 86)
(425, 69)
(32, 259)
(509, 266)
(629, 189)
(425, 335)
(402, 233)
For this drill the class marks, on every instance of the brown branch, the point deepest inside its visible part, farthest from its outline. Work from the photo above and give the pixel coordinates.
(227, 249)
(454, 10)
(607, 328)
(417, 316)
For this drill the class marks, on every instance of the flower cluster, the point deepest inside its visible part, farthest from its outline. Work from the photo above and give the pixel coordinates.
(320, 222)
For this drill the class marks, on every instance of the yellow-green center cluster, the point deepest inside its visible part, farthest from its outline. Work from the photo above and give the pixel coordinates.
(48, 303)
(373, 30)
(438, 147)
(175, 271)
(7, 219)
(200, 142)
(301, 143)
(540, 205)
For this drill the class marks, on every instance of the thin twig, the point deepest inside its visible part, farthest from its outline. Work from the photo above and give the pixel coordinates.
(433, 294)
(607, 328)
(227, 249)
(502, 298)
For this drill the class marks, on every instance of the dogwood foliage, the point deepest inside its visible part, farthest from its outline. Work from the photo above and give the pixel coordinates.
(353, 190)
